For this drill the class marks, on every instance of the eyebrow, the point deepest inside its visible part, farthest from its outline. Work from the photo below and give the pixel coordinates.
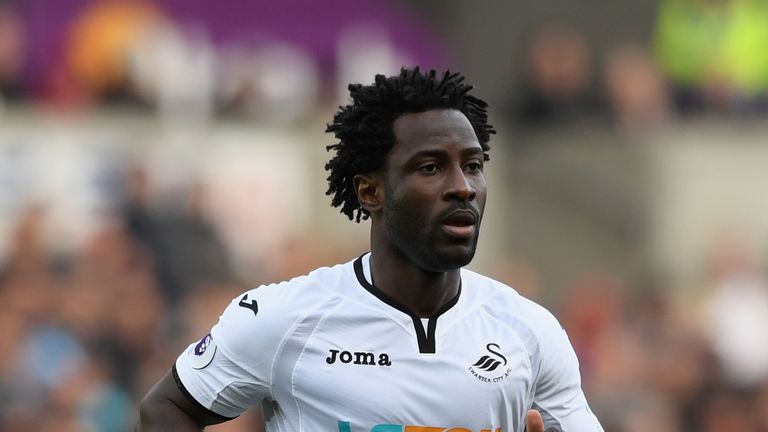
(472, 151)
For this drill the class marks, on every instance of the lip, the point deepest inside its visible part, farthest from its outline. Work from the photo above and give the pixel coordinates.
(460, 216)
(460, 223)
(461, 232)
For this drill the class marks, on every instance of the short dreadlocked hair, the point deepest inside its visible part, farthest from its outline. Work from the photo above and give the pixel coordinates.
(364, 128)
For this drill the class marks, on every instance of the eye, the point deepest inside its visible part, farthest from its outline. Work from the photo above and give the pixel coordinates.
(474, 166)
(429, 168)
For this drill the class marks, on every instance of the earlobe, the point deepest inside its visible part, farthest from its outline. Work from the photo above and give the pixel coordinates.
(368, 192)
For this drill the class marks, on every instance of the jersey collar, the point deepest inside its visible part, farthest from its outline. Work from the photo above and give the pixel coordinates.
(426, 338)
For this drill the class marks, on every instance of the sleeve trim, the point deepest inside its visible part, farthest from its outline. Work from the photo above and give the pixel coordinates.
(557, 427)
(192, 399)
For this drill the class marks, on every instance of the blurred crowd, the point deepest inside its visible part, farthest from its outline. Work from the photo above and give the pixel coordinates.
(274, 63)
(704, 57)
(179, 58)
(653, 359)
(83, 334)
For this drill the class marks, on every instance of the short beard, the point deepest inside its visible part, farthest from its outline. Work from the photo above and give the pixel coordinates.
(416, 241)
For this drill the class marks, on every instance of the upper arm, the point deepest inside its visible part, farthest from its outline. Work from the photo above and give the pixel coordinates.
(218, 377)
(558, 394)
(230, 370)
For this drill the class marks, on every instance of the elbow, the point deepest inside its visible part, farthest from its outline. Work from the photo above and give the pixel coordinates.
(147, 414)
(152, 412)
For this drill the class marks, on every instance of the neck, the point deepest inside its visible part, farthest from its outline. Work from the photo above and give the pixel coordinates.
(422, 292)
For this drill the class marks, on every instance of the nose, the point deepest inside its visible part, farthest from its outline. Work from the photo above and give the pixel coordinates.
(458, 186)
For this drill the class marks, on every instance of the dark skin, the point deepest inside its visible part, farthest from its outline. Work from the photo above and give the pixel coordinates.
(425, 206)
(434, 170)
(166, 408)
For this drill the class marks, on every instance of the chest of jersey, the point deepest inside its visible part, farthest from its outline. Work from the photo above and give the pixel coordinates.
(361, 372)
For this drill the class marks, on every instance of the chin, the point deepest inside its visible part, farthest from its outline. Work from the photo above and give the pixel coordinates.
(442, 261)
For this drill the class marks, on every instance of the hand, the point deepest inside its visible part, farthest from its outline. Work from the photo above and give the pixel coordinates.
(534, 422)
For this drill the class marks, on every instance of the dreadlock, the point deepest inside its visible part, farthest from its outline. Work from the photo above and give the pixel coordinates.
(364, 127)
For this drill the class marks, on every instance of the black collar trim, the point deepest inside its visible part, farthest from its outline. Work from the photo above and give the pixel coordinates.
(426, 339)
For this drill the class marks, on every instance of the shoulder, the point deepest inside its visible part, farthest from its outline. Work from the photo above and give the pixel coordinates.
(506, 299)
(302, 291)
(534, 322)
(299, 292)
(266, 315)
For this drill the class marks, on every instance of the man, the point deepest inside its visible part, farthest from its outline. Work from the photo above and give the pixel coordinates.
(401, 339)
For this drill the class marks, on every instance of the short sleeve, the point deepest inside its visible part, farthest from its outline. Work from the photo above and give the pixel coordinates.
(228, 370)
(558, 394)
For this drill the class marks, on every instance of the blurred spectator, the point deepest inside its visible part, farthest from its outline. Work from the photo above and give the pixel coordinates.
(185, 246)
(588, 308)
(12, 53)
(634, 88)
(136, 208)
(713, 53)
(737, 312)
(27, 252)
(726, 409)
(113, 302)
(557, 88)
(517, 272)
(191, 253)
(173, 70)
(100, 40)
(275, 82)
(761, 407)
(686, 42)
(99, 403)
(364, 49)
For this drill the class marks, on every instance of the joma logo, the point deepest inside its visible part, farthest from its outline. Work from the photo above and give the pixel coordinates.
(358, 358)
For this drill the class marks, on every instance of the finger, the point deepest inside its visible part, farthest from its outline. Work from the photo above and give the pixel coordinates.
(534, 422)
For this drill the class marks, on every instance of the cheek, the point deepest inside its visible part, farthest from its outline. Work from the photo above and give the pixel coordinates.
(405, 209)
(481, 190)
(411, 206)
(482, 194)
(410, 194)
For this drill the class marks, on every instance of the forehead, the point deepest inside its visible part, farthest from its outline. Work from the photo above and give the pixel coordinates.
(436, 128)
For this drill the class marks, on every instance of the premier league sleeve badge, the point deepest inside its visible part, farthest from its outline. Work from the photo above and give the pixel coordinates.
(202, 353)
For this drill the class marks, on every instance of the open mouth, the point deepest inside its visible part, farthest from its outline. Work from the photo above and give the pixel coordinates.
(460, 224)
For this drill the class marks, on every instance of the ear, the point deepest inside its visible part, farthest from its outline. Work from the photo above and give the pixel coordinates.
(369, 192)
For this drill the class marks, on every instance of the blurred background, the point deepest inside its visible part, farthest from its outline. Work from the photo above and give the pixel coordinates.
(159, 157)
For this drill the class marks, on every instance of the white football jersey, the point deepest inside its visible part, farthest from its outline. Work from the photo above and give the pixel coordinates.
(329, 352)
